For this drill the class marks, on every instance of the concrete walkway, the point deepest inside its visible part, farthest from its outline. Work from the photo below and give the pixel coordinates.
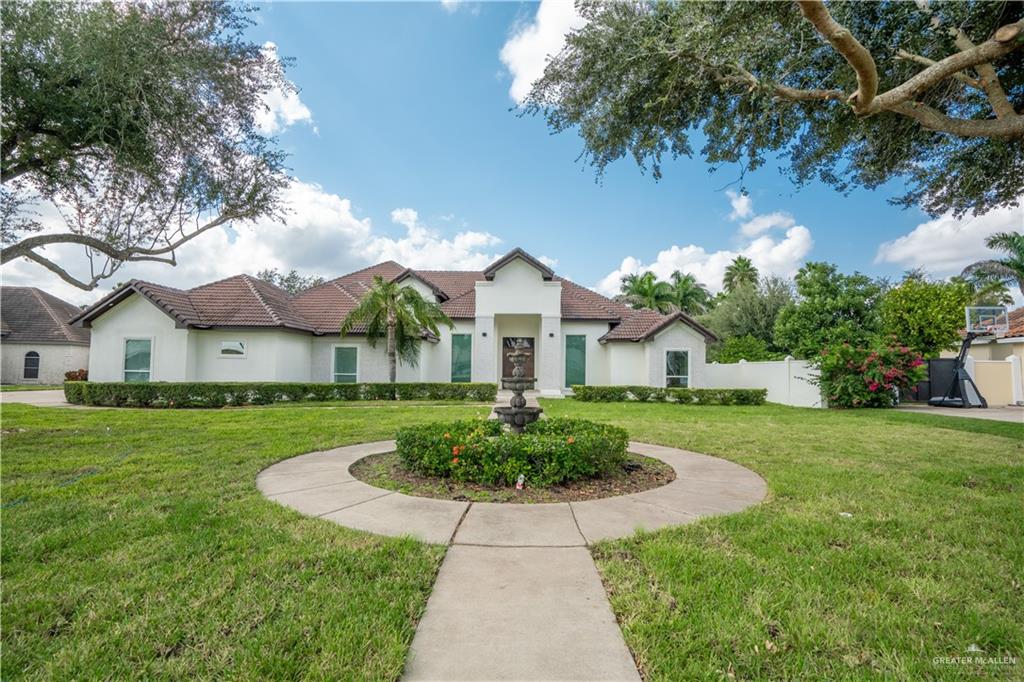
(518, 596)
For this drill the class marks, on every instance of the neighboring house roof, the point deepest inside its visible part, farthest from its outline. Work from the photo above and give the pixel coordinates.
(243, 301)
(1015, 321)
(30, 315)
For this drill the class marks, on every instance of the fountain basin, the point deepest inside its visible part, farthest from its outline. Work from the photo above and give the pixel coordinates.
(517, 417)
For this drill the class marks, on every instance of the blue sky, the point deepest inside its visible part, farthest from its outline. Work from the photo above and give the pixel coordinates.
(403, 136)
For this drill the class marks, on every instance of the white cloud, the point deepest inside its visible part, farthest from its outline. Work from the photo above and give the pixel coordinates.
(283, 108)
(945, 245)
(771, 254)
(320, 236)
(453, 6)
(763, 223)
(526, 52)
(742, 205)
(425, 248)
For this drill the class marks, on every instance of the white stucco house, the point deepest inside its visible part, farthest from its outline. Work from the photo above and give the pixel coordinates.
(244, 329)
(38, 344)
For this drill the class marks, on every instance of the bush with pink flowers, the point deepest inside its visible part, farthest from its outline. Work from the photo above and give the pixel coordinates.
(854, 376)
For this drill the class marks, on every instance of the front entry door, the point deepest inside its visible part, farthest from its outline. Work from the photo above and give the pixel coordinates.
(507, 345)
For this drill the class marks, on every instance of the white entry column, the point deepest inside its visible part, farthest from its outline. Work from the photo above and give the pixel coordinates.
(485, 350)
(550, 366)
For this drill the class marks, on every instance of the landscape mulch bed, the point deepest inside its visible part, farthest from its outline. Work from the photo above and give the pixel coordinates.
(638, 474)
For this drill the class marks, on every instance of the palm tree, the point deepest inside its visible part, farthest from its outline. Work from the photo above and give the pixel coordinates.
(689, 295)
(740, 272)
(1009, 269)
(400, 314)
(643, 290)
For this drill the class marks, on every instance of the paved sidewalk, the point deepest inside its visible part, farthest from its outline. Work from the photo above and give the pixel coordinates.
(518, 596)
(519, 613)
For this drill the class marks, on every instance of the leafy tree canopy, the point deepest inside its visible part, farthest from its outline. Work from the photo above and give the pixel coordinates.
(738, 348)
(751, 311)
(740, 272)
(644, 290)
(831, 308)
(852, 93)
(292, 282)
(138, 121)
(926, 316)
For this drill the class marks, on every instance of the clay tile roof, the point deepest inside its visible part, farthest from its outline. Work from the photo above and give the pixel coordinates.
(243, 301)
(461, 307)
(30, 315)
(641, 325)
(1016, 323)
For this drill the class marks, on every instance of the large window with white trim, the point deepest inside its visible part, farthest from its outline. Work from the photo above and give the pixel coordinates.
(346, 363)
(677, 368)
(31, 370)
(138, 359)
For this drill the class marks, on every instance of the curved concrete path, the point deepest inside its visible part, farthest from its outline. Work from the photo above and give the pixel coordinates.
(518, 596)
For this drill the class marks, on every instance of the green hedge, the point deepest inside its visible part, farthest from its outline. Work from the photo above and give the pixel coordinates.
(551, 451)
(208, 394)
(684, 396)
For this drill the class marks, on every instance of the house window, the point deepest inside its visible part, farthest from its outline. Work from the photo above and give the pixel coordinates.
(346, 361)
(31, 365)
(677, 368)
(232, 349)
(138, 356)
(462, 357)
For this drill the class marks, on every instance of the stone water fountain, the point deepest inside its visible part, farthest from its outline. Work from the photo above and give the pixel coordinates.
(517, 415)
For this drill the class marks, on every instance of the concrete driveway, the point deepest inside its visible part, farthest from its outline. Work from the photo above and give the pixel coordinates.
(1008, 413)
(53, 398)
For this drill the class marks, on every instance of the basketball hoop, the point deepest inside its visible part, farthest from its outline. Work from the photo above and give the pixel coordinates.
(986, 320)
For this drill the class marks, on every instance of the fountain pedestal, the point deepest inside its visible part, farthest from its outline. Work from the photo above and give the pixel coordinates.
(517, 415)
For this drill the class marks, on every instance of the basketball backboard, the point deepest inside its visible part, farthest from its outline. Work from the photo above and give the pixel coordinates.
(987, 320)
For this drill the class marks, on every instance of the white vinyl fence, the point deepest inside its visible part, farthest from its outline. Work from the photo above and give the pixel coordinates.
(788, 381)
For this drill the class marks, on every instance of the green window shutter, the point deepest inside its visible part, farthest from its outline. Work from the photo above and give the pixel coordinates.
(346, 361)
(575, 360)
(138, 355)
(462, 357)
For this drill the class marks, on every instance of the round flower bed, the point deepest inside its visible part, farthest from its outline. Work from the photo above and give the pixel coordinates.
(550, 452)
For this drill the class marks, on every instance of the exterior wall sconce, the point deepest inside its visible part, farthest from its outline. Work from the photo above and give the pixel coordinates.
(483, 333)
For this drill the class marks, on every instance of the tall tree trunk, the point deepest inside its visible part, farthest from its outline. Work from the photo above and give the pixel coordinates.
(392, 349)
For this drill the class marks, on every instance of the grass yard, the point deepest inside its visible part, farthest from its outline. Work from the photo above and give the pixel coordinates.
(136, 545)
(930, 561)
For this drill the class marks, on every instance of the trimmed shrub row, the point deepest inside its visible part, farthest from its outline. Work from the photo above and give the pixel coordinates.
(684, 396)
(204, 394)
(551, 451)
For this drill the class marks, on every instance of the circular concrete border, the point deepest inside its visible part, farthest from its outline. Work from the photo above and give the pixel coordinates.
(319, 484)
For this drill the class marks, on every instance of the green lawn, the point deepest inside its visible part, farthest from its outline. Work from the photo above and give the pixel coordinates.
(136, 545)
(4, 388)
(930, 562)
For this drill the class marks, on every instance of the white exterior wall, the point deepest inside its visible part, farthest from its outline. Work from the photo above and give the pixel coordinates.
(137, 318)
(371, 363)
(436, 358)
(270, 355)
(597, 353)
(54, 361)
(627, 362)
(485, 349)
(788, 381)
(677, 337)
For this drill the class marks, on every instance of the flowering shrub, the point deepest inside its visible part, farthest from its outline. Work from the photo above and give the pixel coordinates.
(868, 377)
(551, 451)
